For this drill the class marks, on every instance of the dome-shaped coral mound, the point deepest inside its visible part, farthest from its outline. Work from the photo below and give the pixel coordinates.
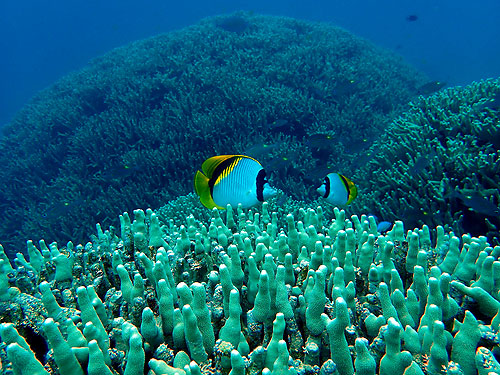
(131, 128)
(440, 163)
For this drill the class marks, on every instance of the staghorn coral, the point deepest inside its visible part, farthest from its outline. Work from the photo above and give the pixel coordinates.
(254, 292)
(439, 163)
(130, 129)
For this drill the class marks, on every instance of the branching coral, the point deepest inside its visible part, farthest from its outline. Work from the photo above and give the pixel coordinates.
(439, 163)
(254, 292)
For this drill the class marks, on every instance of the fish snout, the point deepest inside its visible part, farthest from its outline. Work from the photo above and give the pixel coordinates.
(321, 190)
(269, 192)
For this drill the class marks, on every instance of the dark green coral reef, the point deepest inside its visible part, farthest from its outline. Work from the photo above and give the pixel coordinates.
(250, 292)
(130, 129)
(439, 163)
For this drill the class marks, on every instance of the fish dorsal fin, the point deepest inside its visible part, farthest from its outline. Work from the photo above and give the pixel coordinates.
(211, 164)
(208, 167)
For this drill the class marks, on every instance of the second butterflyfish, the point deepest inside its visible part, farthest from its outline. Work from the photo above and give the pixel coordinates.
(232, 179)
(337, 189)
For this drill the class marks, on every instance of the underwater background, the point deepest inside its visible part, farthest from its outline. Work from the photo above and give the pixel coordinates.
(451, 41)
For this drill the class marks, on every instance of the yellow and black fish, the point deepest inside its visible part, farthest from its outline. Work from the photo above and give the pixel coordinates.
(338, 189)
(232, 179)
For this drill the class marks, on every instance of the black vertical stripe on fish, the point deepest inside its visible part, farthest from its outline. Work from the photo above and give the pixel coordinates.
(327, 187)
(261, 180)
(346, 185)
(219, 170)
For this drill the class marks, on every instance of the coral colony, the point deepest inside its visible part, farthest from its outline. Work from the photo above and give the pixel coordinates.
(290, 287)
(253, 292)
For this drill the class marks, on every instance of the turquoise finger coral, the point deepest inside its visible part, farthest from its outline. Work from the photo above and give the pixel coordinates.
(257, 291)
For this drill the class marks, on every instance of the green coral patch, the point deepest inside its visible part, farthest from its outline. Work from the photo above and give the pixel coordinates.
(439, 163)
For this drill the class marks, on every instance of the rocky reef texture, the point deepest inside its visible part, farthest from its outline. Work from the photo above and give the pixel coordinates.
(439, 163)
(253, 292)
(131, 128)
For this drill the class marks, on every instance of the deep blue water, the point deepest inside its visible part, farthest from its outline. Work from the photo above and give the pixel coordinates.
(455, 41)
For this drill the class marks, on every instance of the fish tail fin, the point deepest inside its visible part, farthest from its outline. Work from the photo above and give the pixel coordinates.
(353, 190)
(203, 190)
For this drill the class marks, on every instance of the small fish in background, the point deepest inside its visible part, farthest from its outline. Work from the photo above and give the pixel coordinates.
(475, 201)
(278, 163)
(493, 104)
(277, 124)
(320, 141)
(329, 143)
(283, 126)
(422, 162)
(412, 18)
(366, 155)
(321, 145)
(430, 87)
(119, 171)
(232, 179)
(338, 189)
(382, 226)
(344, 87)
(62, 208)
(282, 163)
(261, 149)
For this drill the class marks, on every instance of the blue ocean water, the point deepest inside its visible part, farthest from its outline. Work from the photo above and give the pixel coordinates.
(453, 41)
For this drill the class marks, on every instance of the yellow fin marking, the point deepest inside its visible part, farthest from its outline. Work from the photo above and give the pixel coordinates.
(228, 169)
(352, 189)
(203, 190)
(209, 165)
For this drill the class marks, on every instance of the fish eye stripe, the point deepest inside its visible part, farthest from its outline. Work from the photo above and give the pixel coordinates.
(261, 181)
(346, 185)
(327, 187)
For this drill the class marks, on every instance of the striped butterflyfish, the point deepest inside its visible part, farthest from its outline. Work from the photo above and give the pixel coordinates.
(337, 189)
(232, 179)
